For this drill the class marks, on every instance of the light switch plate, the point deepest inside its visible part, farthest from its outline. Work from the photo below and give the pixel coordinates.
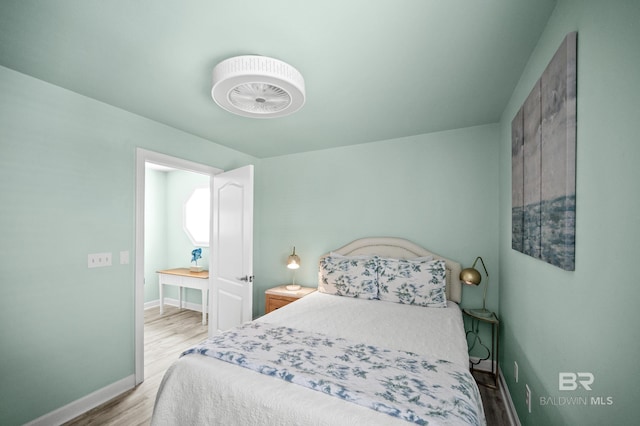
(97, 260)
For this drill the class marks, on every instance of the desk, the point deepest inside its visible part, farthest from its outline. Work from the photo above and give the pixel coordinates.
(182, 277)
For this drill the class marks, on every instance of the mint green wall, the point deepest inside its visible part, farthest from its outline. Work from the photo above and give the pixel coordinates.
(155, 230)
(67, 188)
(180, 185)
(439, 190)
(556, 321)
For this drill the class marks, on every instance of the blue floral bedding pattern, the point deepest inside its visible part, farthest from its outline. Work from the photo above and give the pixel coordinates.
(349, 276)
(398, 383)
(413, 282)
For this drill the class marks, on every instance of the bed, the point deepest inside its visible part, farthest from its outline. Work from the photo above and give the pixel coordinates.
(365, 352)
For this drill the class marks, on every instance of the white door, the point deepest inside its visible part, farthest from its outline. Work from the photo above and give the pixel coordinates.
(232, 250)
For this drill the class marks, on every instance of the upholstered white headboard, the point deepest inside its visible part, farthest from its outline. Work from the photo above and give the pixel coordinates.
(399, 248)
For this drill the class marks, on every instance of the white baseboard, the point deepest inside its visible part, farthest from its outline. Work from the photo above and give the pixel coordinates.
(174, 302)
(84, 404)
(151, 304)
(508, 402)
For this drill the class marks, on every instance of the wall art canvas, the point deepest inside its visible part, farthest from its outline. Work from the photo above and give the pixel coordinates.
(543, 164)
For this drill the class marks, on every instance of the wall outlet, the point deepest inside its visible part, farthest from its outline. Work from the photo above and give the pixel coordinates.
(515, 371)
(97, 260)
(527, 395)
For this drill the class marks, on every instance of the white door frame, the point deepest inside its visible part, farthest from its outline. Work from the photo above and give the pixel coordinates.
(143, 156)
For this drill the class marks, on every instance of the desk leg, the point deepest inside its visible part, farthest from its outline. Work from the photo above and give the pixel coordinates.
(205, 297)
(180, 297)
(160, 286)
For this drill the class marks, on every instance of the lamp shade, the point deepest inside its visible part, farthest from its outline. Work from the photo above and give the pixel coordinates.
(470, 276)
(293, 261)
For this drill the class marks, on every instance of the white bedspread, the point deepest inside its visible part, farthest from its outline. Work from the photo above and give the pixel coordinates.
(199, 390)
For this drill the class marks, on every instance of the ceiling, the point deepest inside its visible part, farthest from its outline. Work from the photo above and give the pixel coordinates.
(373, 70)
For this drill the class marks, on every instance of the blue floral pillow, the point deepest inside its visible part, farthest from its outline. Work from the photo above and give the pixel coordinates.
(349, 276)
(413, 282)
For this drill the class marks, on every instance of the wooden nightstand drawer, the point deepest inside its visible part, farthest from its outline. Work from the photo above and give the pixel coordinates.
(275, 302)
(278, 297)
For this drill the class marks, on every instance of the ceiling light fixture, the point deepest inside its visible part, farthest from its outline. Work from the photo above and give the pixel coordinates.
(257, 86)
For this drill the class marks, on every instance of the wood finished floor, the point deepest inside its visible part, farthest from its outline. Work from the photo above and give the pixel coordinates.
(165, 337)
(494, 405)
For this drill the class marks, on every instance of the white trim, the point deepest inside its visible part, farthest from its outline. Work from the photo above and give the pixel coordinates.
(151, 304)
(174, 302)
(143, 156)
(508, 402)
(84, 404)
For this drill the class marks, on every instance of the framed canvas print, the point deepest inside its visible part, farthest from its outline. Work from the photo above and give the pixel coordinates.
(543, 155)
(517, 183)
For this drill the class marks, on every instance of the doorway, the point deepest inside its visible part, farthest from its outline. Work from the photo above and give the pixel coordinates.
(142, 158)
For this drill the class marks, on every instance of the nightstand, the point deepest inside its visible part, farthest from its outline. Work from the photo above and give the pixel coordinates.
(277, 297)
(494, 352)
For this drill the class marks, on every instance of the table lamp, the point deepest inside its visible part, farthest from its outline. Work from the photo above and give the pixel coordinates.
(471, 276)
(293, 262)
